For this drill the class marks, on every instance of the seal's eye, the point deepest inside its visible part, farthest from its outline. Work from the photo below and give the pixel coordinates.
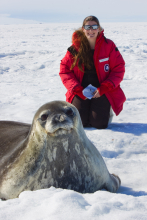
(69, 112)
(44, 117)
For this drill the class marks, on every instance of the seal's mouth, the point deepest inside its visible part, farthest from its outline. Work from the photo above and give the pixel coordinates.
(60, 131)
(54, 127)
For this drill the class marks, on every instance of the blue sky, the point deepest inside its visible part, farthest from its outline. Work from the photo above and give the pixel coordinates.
(75, 10)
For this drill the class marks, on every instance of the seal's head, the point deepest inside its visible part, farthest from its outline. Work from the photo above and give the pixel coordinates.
(57, 118)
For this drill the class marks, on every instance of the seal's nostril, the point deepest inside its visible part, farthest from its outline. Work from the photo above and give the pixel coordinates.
(62, 118)
(59, 117)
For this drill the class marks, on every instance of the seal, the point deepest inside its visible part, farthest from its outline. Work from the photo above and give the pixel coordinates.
(53, 151)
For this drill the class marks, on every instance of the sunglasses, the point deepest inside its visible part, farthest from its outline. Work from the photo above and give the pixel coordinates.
(94, 27)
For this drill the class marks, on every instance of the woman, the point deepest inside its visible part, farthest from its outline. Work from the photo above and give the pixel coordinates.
(93, 59)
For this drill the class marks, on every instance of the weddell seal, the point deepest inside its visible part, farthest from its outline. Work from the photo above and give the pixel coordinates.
(53, 151)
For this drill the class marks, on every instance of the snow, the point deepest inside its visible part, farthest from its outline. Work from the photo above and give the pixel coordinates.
(29, 65)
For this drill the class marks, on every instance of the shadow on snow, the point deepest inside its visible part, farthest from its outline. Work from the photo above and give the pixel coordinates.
(132, 128)
(130, 192)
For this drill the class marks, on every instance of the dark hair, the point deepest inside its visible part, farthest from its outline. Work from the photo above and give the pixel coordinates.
(90, 18)
(83, 45)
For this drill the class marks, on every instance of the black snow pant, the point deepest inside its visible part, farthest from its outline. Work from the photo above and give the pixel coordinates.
(94, 112)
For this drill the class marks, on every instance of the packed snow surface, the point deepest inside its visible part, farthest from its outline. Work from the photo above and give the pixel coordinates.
(29, 77)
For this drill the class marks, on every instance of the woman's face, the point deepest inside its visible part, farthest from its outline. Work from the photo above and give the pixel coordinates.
(91, 34)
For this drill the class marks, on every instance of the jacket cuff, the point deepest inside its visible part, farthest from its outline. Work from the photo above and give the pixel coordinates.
(78, 91)
(103, 89)
(80, 94)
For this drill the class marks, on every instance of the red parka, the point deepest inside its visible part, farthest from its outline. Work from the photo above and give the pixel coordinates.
(110, 68)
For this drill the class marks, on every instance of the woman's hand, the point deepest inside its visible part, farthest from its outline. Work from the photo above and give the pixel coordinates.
(96, 94)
